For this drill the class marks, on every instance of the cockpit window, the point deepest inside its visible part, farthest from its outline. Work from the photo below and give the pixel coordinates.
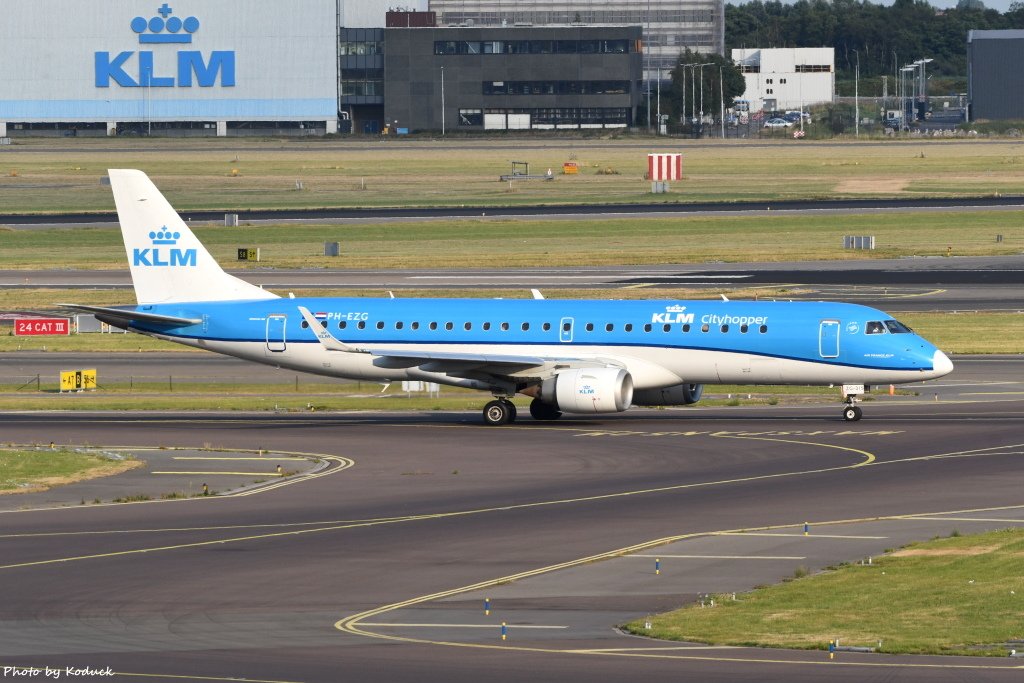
(874, 327)
(896, 327)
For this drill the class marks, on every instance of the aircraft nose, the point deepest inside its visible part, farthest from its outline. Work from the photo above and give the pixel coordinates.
(941, 364)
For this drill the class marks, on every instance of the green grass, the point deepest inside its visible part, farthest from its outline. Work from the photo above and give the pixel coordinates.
(37, 470)
(549, 243)
(960, 595)
(197, 174)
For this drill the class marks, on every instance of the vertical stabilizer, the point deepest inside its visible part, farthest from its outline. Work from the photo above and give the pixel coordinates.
(167, 261)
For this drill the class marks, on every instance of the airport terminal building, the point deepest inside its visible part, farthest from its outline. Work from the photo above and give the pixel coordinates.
(106, 67)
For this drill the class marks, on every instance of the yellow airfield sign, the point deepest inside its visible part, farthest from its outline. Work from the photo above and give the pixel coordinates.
(78, 380)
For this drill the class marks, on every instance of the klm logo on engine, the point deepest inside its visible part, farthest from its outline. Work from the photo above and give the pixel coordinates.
(165, 30)
(673, 314)
(162, 253)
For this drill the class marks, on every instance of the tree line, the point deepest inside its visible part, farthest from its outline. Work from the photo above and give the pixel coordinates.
(877, 37)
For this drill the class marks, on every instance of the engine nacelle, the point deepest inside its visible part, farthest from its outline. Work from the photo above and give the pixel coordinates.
(590, 390)
(678, 395)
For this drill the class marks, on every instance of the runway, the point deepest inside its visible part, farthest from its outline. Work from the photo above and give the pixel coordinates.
(379, 572)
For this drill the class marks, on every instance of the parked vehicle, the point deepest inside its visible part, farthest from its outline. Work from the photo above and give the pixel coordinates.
(777, 123)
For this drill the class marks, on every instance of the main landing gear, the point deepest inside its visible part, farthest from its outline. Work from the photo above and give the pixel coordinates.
(499, 411)
(502, 411)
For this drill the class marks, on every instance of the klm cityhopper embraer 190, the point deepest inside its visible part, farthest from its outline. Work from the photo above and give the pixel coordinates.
(570, 356)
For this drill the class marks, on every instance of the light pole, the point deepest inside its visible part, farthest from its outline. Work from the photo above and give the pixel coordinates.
(721, 101)
(904, 123)
(442, 103)
(856, 96)
(924, 85)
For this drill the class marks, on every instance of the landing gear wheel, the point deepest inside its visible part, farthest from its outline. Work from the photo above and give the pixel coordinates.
(511, 409)
(852, 413)
(498, 413)
(540, 410)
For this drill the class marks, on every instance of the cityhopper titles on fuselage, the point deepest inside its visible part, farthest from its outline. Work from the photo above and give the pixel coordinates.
(569, 356)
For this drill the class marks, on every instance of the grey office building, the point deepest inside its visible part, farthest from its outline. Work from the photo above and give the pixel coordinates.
(995, 82)
(669, 26)
(512, 78)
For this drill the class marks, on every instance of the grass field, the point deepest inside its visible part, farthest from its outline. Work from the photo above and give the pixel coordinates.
(238, 174)
(27, 471)
(550, 243)
(959, 595)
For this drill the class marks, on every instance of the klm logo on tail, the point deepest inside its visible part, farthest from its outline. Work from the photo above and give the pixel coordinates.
(158, 256)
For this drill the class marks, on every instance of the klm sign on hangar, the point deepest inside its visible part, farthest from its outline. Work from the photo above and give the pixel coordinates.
(117, 66)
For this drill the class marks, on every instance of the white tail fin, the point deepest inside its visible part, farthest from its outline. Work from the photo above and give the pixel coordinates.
(167, 261)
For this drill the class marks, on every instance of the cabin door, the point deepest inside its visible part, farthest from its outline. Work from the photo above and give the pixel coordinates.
(275, 332)
(828, 339)
(565, 330)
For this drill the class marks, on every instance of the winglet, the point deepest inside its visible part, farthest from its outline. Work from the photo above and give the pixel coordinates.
(323, 335)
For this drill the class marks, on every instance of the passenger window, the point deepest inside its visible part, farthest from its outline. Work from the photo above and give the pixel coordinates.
(399, 325)
(874, 327)
(743, 328)
(590, 327)
(433, 326)
(303, 324)
(526, 327)
(504, 326)
(342, 324)
(546, 327)
(763, 329)
(705, 327)
(415, 326)
(628, 327)
(362, 325)
(487, 326)
(686, 327)
(566, 327)
(725, 328)
(467, 327)
(609, 327)
(667, 328)
(449, 326)
(647, 327)
(380, 324)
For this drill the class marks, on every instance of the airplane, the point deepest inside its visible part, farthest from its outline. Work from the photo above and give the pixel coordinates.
(570, 356)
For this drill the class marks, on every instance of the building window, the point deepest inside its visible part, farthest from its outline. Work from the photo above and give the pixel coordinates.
(471, 117)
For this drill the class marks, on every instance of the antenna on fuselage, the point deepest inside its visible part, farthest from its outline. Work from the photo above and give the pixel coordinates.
(536, 294)
(724, 297)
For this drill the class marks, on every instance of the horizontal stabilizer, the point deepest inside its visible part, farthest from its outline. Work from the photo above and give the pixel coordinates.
(120, 317)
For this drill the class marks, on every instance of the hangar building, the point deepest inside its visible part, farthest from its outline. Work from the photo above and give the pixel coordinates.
(129, 66)
(994, 78)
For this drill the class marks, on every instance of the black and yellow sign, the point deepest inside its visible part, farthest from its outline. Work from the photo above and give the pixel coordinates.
(246, 254)
(78, 380)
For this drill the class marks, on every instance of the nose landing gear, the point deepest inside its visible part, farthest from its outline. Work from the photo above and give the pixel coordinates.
(852, 412)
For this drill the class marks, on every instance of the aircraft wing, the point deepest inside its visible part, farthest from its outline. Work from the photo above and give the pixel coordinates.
(120, 317)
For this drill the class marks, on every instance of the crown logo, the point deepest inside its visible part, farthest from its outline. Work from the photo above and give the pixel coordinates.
(157, 26)
(164, 236)
(675, 309)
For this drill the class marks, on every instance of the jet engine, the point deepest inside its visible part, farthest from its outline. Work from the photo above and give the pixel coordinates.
(590, 390)
(678, 395)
